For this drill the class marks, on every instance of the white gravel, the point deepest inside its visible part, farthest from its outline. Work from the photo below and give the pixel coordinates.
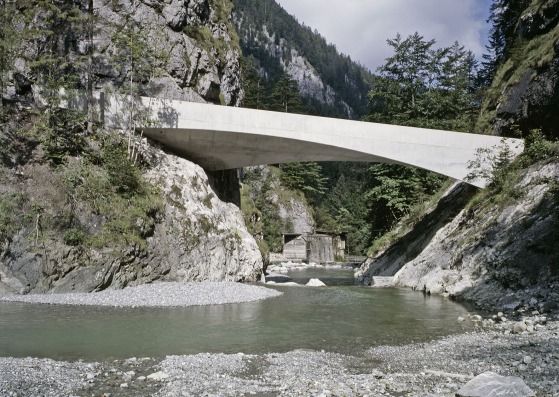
(157, 295)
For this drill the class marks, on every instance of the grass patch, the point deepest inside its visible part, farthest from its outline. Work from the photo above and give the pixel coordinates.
(112, 188)
(503, 189)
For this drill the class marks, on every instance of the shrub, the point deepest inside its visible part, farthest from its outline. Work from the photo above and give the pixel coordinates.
(74, 237)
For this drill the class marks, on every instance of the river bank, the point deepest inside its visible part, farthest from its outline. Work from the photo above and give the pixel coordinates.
(519, 343)
(438, 368)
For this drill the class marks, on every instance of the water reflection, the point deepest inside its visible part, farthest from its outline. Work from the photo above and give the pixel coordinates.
(342, 318)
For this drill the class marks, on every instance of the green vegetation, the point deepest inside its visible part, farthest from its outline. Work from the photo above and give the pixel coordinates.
(263, 196)
(281, 96)
(84, 185)
(414, 214)
(419, 86)
(114, 190)
(304, 177)
(423, 86)
(216, 46)
(513, 56)
(506, 173)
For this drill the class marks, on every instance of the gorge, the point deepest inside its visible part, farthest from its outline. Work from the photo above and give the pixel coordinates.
(88, 210)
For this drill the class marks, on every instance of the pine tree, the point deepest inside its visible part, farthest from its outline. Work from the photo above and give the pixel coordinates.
(306, 177)
(49, 32)
(504, 16)
(286, 97)
(254, 84)
(139, 58)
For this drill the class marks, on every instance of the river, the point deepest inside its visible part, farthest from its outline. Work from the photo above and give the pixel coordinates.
(342, 317)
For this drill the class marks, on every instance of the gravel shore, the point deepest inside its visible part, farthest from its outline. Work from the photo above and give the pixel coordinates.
(518, 344)
(157, 295)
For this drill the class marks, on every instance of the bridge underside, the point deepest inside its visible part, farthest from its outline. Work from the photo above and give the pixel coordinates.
(220, 137)
(222, 150)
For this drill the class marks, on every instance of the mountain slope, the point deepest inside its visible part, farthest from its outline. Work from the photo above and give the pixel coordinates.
(330, 82)
(524, 93)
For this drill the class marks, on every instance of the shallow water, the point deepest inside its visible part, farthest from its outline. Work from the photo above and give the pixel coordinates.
(343, 318)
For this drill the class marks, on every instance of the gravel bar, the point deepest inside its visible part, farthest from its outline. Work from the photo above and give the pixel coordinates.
(157, 295)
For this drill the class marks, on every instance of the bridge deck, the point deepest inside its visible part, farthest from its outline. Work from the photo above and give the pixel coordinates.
(220, 137)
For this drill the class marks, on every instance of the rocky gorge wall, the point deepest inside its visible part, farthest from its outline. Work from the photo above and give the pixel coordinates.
(193, 235)
(525, 91)
(500, 256)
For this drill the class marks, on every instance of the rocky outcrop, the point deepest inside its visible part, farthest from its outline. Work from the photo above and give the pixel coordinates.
(296, 212)
(329, 82)
(196, 70)
(525, 92)
(194, 236)
(387, 262)
(200, 237)
(490, 384)
(197, 237)
(299, 69)
(498, 256)
(189, 51)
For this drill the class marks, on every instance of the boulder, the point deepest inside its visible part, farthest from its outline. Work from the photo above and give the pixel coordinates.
(519, 327)
(315, 282)
(490, 384)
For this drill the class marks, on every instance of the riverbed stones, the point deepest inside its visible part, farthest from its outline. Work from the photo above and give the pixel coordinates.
(157, 376)
(439, 369)
(519, 327)
(490, 384)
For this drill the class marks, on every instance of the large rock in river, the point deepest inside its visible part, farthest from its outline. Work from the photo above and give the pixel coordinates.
(490, 384)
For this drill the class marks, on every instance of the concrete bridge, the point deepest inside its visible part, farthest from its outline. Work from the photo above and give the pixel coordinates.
(220, 137)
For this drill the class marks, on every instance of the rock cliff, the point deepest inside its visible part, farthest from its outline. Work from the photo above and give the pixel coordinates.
(525, 91)
(186, 232)
(500, 254)
(329, 82)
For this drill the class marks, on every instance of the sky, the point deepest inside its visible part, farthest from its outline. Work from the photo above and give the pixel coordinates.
(360, 28)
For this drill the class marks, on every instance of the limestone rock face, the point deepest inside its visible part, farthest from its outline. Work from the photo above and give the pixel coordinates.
(298, 68)
(200, 237)
(189, 46)
(486, 257)
(297, 213)
(196, 70)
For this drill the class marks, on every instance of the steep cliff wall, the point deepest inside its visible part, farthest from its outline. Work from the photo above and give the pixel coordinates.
(85, 223)
(525, 91)
(498, 248)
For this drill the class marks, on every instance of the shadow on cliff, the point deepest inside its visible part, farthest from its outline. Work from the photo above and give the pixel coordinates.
(527, 263)
(414, 242)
